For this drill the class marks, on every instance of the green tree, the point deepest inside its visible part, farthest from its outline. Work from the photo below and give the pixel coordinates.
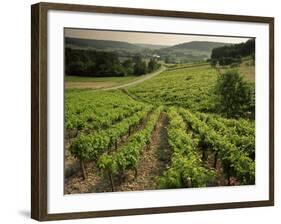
(167, 59)
(128, 66)
(140, 66)
(234, 95)
(152, 65)
(233, 53)
(213, 62)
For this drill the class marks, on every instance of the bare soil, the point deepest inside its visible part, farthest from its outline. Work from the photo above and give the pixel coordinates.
(152, 163)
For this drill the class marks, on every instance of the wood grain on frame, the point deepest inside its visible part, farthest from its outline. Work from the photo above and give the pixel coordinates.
(39, 110)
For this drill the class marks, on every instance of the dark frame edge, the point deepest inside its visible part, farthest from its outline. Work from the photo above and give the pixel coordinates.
(39, 111)
(35, 191)
(154, 12)
(271, 111)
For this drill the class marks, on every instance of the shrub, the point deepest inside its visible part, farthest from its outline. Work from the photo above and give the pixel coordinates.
(234, 95)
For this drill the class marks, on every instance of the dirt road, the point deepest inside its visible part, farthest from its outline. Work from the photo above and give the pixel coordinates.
(142, 79)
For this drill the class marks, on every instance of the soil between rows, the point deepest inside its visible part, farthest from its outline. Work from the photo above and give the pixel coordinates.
(152, 163)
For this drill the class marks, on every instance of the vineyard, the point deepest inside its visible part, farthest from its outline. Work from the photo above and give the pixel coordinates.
(162, 133)
(182, 86)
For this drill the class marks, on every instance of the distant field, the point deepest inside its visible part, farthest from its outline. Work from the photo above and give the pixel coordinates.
(186, 65)
(247, 69)
(99, 79)
(78, 82)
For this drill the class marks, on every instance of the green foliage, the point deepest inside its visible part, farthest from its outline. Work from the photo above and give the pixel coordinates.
(140, 66)
(235, 162)
(128, 66)
(213, 62)
(234, 95)
(152, 65)
(91, 146)
(89, 109)
(169, 60)
(229, 60)
(102, 118)
(127, 156)
(186, 168)
(239, 132)
(92, 63)
(188, 86)
(88, 147)
(229, 54)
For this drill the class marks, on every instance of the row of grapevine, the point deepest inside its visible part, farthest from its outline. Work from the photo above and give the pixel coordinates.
(242, 126)
(236, 163)
(242, 138)
(127, 157)
(92, 120)
(188, 88)
(91, 146)
(186, 168)
(97, 110)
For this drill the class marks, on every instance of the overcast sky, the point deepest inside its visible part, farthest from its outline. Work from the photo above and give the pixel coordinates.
(147, 38)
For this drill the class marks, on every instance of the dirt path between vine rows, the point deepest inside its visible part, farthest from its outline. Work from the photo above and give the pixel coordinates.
(153, 160)
(152, 164)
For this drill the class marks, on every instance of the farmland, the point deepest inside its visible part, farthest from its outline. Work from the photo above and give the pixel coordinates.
(183, 87)
(76, 82)
(154, 111)
(162, 133)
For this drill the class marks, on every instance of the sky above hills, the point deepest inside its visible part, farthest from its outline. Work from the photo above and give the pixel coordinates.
(147, 38)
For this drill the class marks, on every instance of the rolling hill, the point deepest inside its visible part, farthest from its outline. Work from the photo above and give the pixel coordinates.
(198, 45)
(190, 51)
(151, 46)
(184, 52)
(105, 45)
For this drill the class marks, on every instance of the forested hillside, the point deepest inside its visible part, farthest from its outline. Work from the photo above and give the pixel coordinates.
(233, 53)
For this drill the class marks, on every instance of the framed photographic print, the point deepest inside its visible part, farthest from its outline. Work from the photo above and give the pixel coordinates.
(139, 111)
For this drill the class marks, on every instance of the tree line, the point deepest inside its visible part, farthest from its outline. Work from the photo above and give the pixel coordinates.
(94, 63)
(230, 54)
